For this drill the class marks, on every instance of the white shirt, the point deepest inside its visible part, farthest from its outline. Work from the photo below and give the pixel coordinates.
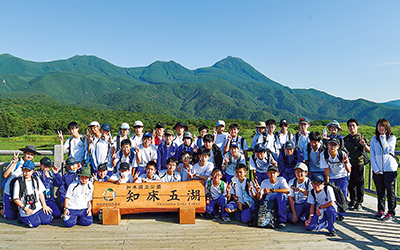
(165, 177)
(114, 144)
(101, 152)
(284, 138)
(273, 143)
(77, 149)
(136, 140)
(260, 166)
(231, 167)
(29, 191)
(220, 139)
(147, 154)
(79, 195)
(322, 198)
(337, 169)
(239, 190)
(183, 172)
(144, 177)
(119, 159)
(302, 143)
(128, 179)
(203, 170)
(279, 184)
(215, 191)
(178, 140)
(299, 197)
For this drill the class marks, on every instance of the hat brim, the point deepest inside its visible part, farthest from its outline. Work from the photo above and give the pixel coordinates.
(30, 151)
(84, 174)
(72, 163)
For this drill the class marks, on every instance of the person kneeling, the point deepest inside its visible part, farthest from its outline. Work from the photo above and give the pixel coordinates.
(78, 208)
(275, 189)
(28, 196)
(322, 200)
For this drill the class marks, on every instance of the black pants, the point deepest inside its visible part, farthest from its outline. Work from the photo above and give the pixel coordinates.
(385, 184)
(356, 183)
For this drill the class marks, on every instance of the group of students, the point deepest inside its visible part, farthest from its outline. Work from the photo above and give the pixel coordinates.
(275, 177)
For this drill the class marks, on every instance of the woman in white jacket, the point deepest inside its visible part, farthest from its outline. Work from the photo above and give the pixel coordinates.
(384, 167)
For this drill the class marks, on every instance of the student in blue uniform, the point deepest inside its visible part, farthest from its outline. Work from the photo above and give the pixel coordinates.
(50, 179)
(323, 209)
(71, 176)
(78, 207)
(187, 145)
(13, 170)
(288, 158)
(101, 175)
(170, 175)
(217, 194)
(337, 167)
(243, 196)
(299, 189)
(313, 154)
(275, 189)
(166, 149)
(33, 209)
(231, 160)
(75, 144)
(260, 161)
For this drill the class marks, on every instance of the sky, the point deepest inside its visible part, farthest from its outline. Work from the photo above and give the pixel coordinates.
(349, 49)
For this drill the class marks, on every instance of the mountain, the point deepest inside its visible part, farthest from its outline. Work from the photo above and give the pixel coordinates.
(229, 89)
(392, 104)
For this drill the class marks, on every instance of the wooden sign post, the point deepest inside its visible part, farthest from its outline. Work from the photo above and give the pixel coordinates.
(187, 198)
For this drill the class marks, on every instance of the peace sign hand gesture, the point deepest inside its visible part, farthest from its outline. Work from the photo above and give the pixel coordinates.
(15, 157)
(60, 135)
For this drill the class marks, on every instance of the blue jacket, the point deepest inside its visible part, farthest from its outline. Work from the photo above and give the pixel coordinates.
(286, 163)
(163, 155)
(181, 149)
(67, 179)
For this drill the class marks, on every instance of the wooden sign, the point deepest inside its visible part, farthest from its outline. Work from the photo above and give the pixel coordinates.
(149, 197)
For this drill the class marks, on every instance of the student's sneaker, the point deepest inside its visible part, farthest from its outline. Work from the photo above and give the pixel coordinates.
(332, 233)
(388, 217)
(379, 215)
(351, 205)
(357, 207)
(281, 225)
(340, 218)
(226, 219)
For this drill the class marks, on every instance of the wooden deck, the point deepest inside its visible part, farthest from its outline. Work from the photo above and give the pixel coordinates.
(358, 231)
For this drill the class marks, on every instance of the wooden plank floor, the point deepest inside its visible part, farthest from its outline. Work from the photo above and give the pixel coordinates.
(358, 231)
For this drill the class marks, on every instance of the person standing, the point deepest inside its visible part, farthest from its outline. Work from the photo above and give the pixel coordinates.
(384, 167)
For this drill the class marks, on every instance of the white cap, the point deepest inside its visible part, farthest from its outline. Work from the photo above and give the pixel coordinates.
(124, 126)
(301, 166)
(220, 122)
(138, 124)
(94, 123)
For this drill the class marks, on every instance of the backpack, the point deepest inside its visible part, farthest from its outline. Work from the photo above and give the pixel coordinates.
(339, 196)
(4, 181)
(118, 142)
(22, 189)
(269, 154)
(266, 214)
(340, 155)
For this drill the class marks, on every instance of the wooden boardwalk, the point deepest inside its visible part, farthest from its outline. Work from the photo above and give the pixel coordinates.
(358, 231)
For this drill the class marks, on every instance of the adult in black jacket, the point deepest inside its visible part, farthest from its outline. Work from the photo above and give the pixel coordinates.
(216, 152)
